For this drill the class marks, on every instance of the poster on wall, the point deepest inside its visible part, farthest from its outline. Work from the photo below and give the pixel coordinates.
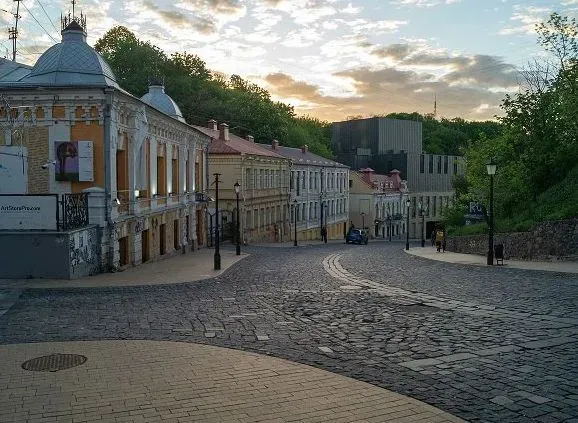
(85, 161)
(74, 161)
(66, 161)
(13, 170)
(27, 212)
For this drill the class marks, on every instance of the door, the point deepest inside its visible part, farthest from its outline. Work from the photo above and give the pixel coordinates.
(162, 239)
(145, 245)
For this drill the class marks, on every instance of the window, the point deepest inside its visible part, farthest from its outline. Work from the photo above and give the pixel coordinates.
(431, 163)
(350, 183)
(291, 183)
(161, 176)
(439, 164)
(455, 166)
(421, 164)
(175, 175)
(303, 181)
(446, 158)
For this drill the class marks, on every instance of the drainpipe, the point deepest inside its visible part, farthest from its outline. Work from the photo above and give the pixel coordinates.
(109, 94)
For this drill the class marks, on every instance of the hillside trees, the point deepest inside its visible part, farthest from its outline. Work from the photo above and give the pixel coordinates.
(539, 146)
(202, 94)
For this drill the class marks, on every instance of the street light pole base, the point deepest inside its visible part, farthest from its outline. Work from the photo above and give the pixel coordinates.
(217, 261)
(238, 250)
(490, 261)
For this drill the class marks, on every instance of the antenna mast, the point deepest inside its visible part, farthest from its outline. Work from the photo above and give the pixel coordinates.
(13, 32)
(73, 4)
(435, 104)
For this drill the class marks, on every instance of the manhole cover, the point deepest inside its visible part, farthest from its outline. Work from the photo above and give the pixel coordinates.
(54, 362)
(418, 308)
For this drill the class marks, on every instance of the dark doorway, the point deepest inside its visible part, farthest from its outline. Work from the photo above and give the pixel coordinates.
(163, 239)
(123, 251)
(145, 245)
(176, 234)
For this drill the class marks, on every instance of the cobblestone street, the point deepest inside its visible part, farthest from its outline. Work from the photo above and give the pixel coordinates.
(485, 344)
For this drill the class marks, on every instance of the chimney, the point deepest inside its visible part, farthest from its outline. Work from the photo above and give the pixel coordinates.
(224, 132)
(275, 144)
(366, 175)
(212, 124)
(250, 138)
(304, 148)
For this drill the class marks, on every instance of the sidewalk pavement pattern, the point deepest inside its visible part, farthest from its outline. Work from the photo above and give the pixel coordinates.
(177, 269)
(138, 381)
(476, 260)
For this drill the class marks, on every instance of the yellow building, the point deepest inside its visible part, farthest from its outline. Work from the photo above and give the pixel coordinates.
(264, 186)
(137, 166)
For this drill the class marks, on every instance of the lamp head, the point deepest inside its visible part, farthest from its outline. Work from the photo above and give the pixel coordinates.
(491, 167)
(237, 187)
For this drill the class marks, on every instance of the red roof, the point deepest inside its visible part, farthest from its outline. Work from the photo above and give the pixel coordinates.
(234, 145)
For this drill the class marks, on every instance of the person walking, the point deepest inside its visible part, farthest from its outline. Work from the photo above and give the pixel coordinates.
(439, 239)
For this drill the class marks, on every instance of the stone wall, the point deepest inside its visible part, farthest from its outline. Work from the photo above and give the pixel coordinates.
(556, 240)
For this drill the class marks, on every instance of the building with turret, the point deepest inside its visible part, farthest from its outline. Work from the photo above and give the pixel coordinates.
(95, 178)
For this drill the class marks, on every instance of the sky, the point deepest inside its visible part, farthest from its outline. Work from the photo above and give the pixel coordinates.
(330, 59)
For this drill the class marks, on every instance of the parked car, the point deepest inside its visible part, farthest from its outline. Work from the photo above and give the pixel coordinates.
(356, 236)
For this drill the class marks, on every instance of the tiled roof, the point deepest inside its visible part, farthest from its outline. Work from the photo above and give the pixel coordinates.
(300, 157)
(235, 144)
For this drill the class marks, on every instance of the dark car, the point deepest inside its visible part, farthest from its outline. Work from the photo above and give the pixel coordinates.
(356, 236)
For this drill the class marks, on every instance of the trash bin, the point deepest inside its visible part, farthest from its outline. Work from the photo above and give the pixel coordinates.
(499, 253)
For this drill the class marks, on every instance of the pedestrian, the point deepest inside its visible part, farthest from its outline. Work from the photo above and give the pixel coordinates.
(444, 243)
(439, 239)
(433, 237)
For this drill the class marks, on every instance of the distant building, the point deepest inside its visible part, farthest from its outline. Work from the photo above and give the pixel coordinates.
(319, 192)
(263, 176)
(377, 203)
(387, 144)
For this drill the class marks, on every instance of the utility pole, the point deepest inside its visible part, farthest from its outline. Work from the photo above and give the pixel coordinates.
(13, 32)
(217, 256)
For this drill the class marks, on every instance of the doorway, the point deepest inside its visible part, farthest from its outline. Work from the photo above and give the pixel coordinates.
(176, 234)
(145, 245)
(123, 251)
(163, 239)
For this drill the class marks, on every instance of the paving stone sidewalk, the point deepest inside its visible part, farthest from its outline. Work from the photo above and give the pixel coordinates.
(476, 260)
(148, 381)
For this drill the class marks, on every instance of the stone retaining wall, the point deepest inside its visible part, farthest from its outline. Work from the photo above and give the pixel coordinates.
(556, 240)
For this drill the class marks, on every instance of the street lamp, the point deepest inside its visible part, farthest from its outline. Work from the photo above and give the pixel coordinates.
(362, 221)
(407, 204)
(238, 246)
(491, 168)
(217, 256)
(295, 222)
(423, 210)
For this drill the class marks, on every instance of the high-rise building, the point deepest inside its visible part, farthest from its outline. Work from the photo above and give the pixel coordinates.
(386, 144)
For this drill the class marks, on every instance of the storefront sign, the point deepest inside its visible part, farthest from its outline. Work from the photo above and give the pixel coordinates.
(28, 212)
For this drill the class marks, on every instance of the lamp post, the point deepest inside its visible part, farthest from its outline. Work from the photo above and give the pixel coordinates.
(491, 168)
(238, 246)
(295, 222)
(407, 204)
(217, 256)
(389, 227)
(422, 210)
(362, 221)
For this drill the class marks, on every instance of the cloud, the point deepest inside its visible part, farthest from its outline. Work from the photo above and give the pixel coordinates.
(170, 16)
(423, 3)
(303, 37)
(362, 26)
(223, 7)
(525, 19)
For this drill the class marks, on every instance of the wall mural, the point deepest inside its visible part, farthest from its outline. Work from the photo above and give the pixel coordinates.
(84, 252)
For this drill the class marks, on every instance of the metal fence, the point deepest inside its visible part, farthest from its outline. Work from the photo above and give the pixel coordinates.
(73, 211)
